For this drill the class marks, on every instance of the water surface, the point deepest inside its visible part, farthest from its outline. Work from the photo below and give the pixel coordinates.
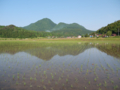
(59, 66)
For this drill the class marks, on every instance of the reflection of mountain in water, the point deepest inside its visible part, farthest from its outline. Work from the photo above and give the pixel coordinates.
(46, 51)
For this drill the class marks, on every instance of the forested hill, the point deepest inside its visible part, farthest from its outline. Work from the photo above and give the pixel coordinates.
(113, 27)
(49, 26)
(12, 31)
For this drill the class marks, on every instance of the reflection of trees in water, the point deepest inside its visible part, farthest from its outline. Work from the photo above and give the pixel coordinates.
(110, 49)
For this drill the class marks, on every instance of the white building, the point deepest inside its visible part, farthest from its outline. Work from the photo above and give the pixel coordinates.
(79, 36)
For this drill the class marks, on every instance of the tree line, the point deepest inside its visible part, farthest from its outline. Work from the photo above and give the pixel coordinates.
(112, 28)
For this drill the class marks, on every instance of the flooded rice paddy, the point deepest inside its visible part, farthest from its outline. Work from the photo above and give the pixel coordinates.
(59, 66)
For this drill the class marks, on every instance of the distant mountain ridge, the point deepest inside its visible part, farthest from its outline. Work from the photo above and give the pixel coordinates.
(48, 25)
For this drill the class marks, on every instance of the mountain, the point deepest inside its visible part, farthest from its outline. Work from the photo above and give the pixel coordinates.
(49, 26)
(41, 25)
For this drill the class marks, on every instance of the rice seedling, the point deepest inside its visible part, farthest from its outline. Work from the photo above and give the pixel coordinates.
(24, 83)
(63, 85)
(36, 67)
(17, 83)
(52, 89)
(42, 80)
(31, 78)
(76, 79)
(56, 83)
(112, 81)
(24, 74)
(49, 82)
(30, 86)
(105, 84)
(44, 72)
(59, 78)
(44, 87)
(95, 79)
(99, 89)
(23, 78)
(85, 87)
(18, 77)
(66, 80)
(13, 76)
(89, 82)
(52, 76)
(99, 84)
(71, 86)
(35, 79)
(38, 86)
(39, 65)
(36, 72)
(115, 87)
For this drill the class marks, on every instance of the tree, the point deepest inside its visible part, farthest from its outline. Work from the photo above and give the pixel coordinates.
(82, 35)
(86, 35)
(109, 33)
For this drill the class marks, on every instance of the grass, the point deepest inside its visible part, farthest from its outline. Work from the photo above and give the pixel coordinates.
(61, 40)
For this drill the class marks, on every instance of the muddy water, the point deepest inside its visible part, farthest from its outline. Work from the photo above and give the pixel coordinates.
(60, 66)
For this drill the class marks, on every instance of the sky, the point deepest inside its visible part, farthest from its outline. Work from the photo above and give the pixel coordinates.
(92, 14)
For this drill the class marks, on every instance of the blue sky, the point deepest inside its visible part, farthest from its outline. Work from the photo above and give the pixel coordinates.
(92, 14)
